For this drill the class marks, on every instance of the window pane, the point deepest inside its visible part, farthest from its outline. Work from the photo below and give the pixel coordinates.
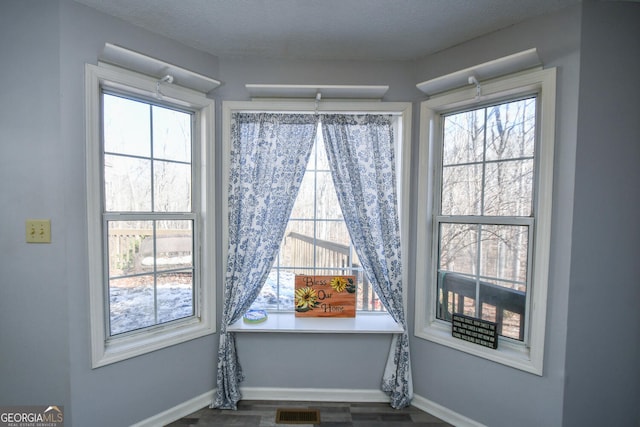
(456, 294)
(172, 187)
(174, 244)
(277, 292)
(138, 296)
(462, 190)
(366, 297)
(511, 130)
(332, 245)
(126, 240)
(127, 184)
(126, 126)
(131, 303)
(322, 163)
(133, 300)
(171, 134)
(504, 252)
(175, 295)
(333, 231)
(303, 206)
(505, 306)
(512, 325)
(463, 138)
(326, 197)
(509, 188)
(297, 246)
(459, 248)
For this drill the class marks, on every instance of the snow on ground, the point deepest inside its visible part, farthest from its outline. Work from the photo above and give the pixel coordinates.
(132, 306)
(268, 297)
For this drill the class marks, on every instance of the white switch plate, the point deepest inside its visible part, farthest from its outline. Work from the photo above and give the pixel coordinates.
(38, 230)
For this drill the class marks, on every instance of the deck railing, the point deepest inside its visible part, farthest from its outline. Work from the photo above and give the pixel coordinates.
(128, 246)
(498, 304)
(335, 257)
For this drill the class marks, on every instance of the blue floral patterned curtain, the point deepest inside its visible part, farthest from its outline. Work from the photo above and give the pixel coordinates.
(269, 154)
(361, 155)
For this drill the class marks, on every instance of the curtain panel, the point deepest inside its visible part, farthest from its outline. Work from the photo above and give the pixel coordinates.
(361, 156)
(269, 154)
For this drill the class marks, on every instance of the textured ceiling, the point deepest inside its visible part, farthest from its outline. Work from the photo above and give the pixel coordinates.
(325, 29)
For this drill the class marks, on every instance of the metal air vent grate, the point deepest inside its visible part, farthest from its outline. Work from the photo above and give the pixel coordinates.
(297, 416)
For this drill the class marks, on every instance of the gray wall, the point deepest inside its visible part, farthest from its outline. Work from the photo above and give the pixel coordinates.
(488, 392)
(33, 291)
(148, 384)
(602, 365)
(44, 334)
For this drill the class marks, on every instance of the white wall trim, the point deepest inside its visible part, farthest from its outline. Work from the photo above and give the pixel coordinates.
(105, 349)
(306, 394)
(136, 61)
(529, 355)
(443, 413)
(516, 62)
(311, 91)
(363, 323)
(265, 393)
(314, 394)
(181, 410)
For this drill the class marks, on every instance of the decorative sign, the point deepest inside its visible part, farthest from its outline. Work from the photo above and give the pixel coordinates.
(325, 296)
(475, 330)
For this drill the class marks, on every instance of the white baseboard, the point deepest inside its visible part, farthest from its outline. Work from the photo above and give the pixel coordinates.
(178, 411)
(313, 394)
(443, 413)
(305, 394)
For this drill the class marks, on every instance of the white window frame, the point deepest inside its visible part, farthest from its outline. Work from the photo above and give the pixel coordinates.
(105, 349)
(526, 356)
(365, 322)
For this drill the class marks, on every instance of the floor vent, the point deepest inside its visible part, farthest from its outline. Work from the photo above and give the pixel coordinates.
(297, 416)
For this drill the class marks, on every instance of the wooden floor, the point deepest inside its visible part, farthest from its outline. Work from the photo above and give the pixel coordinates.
(254, 413)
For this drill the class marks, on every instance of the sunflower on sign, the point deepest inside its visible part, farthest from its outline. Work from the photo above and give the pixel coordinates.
(306, 299)
(340, 284)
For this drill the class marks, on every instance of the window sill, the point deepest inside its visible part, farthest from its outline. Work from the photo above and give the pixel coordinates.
(113, 350)
(509, 354)
(363, 323)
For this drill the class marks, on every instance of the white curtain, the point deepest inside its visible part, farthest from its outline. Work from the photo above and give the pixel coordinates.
(361, 156)
(269, 156)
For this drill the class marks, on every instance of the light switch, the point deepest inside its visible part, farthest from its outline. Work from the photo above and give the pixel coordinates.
(38, 231)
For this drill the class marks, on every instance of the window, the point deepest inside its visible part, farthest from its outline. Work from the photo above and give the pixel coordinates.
(484, 214)
(316, 240)
(150, 252)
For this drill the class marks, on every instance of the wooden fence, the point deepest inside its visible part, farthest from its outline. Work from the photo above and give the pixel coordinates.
(126, 246)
